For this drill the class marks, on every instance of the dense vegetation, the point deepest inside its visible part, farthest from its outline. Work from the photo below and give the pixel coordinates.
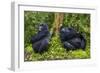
(81, 22)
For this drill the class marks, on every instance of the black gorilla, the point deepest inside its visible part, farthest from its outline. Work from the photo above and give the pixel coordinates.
(72, 39)
(40, 41)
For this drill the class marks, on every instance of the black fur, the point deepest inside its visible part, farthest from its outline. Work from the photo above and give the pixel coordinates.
(72, 39)
(40, 41)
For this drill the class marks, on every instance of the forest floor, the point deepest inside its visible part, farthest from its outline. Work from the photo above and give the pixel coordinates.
(56, 52)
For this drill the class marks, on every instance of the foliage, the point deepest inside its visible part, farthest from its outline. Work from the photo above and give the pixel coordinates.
(32, 20)
(81, 22)
(56, 52)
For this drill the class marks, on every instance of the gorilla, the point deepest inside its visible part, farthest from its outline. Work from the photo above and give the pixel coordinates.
(72, 39)
(40, 41)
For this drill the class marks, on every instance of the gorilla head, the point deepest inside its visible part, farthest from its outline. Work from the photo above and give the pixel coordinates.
(67, 33)
(43, 27)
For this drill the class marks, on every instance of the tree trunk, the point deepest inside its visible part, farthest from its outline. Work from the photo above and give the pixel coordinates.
(58, 20)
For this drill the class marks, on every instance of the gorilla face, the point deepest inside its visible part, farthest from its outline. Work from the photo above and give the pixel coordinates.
(43, 27)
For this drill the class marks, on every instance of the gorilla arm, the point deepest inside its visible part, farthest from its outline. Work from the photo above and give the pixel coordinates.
(39, 36)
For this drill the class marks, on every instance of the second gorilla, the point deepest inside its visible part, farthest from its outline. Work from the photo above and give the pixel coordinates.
(72, 39)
